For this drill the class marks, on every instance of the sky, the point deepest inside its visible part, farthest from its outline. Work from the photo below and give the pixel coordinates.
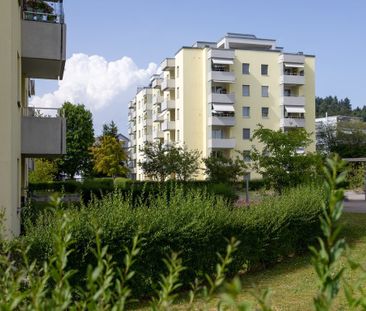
(113, 46)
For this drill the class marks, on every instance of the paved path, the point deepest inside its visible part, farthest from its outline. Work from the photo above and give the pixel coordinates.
(354, 202)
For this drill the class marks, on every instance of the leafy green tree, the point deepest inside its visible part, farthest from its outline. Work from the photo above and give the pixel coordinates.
(79, 140)
(223, 169)
(44, 171)
(110, 129)
(109, 157)
(163, 161)
(332, 106)
(280, 162)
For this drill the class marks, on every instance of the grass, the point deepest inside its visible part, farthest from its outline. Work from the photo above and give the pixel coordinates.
(293, 281)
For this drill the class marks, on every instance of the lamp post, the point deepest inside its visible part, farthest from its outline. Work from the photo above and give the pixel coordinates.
(246, 179)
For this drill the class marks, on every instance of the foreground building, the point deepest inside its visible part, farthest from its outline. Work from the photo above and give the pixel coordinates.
(32, 45)
(211, 97)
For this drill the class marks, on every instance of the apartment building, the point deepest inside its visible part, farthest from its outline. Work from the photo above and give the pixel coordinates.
(211, 96)
(32, 45)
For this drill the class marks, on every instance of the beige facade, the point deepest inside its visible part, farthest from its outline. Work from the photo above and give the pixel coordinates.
(213, 95)
(19, 44)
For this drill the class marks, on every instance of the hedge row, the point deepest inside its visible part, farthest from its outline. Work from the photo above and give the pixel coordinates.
(194, 223)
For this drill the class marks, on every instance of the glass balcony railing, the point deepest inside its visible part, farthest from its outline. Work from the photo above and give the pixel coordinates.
(50, 11)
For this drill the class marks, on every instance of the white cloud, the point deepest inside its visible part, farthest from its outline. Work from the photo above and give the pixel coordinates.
(95, 82)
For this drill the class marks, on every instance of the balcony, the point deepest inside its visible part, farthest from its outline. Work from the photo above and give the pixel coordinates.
(168, 125)
(168, 84)
(167, 105)
(222, 143)
(221, 53)
(221, 121)
(157, 99)
(293, 101)
(158, 134)
(221, 76)
(147, 137)
(167, 64)
(157, 117)
(292, 79)
(43, 133)
(147, 122)
(43, 41)
(222, 98)
(292, 58)
(292, 122)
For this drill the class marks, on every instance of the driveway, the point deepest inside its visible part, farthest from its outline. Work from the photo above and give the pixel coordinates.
(354, 202)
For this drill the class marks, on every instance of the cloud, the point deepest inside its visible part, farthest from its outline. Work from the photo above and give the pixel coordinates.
(95, 82)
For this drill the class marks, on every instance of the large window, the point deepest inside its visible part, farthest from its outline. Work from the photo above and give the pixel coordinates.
(246, 90)
(246, 112)
(265, 91)
(265, 112)
(245, 69)
(264, 70)
(246, 134)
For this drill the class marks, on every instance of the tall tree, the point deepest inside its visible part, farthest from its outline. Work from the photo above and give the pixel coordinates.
(110, 129)
(79, 139)
(332, 106)
(219, 168)
(163, 161)
(280, 161)
(109, 157)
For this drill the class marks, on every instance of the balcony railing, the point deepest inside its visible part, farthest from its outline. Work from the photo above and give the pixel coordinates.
(167, 105)
(293, 100)
(222, 98)
(221, 121)
(168, 63)
(168, 125)
(221, 76)
(222, 143)
(292, 79)
(43, 132)
(43, 39)
(292, 122)
(168, 84)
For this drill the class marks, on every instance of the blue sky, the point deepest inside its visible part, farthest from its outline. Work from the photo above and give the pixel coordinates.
(148, 31)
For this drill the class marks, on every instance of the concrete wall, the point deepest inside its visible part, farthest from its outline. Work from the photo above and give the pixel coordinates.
(11, 97)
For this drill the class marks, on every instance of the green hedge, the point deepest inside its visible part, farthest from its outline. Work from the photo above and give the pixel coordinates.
(191, 222)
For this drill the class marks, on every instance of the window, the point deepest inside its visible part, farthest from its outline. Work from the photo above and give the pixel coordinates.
(178, 136)
(245, 69)
(246, 156)
(177, 92)
(246, 134)
(246, 112)
(246, 90)
(139, 134)
(177, 114)
(265, 112)
(177, 72)
(216, 133)
(265, 91)
(264, 70)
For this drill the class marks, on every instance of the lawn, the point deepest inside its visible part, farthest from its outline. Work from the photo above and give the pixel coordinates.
(293, 281)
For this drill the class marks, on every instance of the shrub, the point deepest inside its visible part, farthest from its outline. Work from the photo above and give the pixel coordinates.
(192, 222)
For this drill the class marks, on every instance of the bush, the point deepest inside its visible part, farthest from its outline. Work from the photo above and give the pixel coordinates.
(192, 222)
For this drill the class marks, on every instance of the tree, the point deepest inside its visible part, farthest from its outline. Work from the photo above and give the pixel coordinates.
(223, 169)
(332, 106)
(280, 162)
(44, 171)
(350, 139)
(110, 129)
(109, 157)
(162, 161)
(79, 139)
